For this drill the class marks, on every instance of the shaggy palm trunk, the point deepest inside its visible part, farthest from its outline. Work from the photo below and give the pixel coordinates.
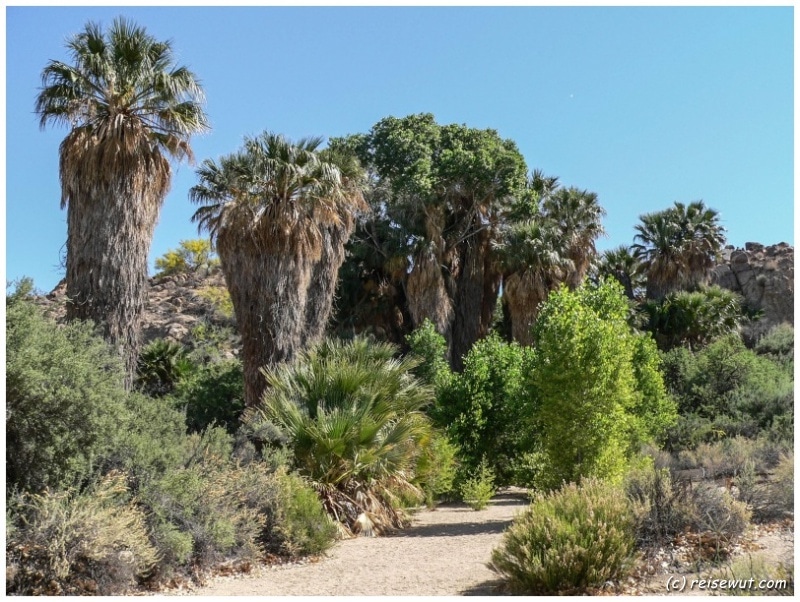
(523, 291)
(268, 289)
(324, 277)
(475, 297)
(427, 296)
(111, 217)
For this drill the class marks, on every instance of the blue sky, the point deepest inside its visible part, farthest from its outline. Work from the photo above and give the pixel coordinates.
(644, 106)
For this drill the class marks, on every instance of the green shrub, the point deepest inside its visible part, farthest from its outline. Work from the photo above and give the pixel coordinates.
(213, 394)
(478, 489)
(778, 343)
(436, 467)
(483, 408)
(189, 257)
(297, 522)
(65, 401)
(431, 347)
(161, 365)
(220, 299)
(716, 513)
(568, 540)
(95, 542)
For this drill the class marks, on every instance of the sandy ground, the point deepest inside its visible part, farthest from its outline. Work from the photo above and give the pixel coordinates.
(444, 552)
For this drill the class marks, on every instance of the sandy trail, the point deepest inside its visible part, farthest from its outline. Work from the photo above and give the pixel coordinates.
(444, 552)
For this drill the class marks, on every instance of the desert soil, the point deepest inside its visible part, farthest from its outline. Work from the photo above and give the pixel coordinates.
(445, 552)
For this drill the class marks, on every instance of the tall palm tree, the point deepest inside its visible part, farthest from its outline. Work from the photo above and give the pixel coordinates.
(277, 211)
(129, 109)
(535, 255)
(578, 215)
(678, 247)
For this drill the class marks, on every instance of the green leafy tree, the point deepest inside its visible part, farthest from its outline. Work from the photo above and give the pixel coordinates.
(483, 407)
(592, 403)
(438, 197)
(129, 108)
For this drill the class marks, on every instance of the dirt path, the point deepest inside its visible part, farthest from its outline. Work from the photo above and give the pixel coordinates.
(444, 552)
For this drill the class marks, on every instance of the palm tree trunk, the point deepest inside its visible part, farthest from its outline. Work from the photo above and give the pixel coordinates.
(427, 296)
(324, 277)
(109, 231)
(475, 298)
(269, 293)
(523, 291)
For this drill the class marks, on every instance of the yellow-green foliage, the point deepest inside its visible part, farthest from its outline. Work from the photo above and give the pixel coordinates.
(600, 395)
(190, 256)
(478, 489)
(576, 537)
(220, 298)
(66, 543)
(775, 579)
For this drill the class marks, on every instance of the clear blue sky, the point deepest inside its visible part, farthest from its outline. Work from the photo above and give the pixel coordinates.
(644, 106)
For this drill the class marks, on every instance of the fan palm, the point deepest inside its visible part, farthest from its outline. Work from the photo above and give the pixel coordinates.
(279, 213)
(623, 265)
(678, 247)
(129, 109)
(353, 418)
(577, 214)
(535, 255)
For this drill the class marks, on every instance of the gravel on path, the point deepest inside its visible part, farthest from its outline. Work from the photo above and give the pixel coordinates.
(444, 552)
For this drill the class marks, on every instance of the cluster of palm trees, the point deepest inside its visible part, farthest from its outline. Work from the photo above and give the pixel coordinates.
(443, 219)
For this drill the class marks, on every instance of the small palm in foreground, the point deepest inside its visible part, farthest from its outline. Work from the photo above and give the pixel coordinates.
(352, 415)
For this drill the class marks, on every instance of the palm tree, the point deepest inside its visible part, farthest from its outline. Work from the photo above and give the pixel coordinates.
(678, 247)
(535, 255)
(352, 416)
(129, 109)
(578, 215)
(277, 211)
(621, 264)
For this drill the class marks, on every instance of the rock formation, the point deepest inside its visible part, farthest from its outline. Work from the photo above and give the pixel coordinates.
(764, 276)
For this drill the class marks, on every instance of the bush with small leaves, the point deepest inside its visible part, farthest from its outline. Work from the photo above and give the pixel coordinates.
(744, 571)
(436, 467)
(69, 543)
(570, 539)
(190, 256)
(478, 488)
(212, 394)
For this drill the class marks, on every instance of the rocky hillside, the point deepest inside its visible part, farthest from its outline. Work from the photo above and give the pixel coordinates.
(764, 276)
(179, 307)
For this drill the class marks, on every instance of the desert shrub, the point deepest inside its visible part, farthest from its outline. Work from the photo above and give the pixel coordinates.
(197, 518)
(660, 511)
(482, 408)
(569, 539)
(436, 467)
(772, 496)
(478, 488)
(746, 571)
(65, 401)
(190, 256)
(94, 542)
(778, 343)
(716, 513)
(728, 389)
(213, 394)
(353, 417)
(220, 299)
(297, 524)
